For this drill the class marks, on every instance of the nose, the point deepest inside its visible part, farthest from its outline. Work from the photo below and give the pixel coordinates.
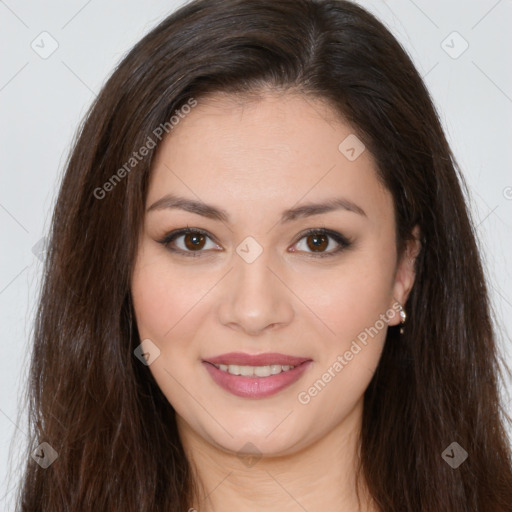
(255, 298)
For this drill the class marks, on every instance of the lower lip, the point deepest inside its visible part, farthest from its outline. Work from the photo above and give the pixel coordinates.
(255, 387)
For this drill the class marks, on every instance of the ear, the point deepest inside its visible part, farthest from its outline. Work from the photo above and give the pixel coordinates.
(405, 275)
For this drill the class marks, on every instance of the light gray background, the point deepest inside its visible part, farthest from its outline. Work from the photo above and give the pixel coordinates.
(43, 100)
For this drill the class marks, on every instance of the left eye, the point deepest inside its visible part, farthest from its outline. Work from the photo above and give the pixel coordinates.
(317, 240)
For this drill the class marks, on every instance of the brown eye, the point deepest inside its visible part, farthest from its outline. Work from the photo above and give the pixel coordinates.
(189, 242)
(194, 241)
(317, 243)
(322, 242)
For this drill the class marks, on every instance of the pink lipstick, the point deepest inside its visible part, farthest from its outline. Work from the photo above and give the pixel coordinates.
(255, 376)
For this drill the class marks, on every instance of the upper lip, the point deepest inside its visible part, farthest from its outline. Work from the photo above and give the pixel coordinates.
(266, 359)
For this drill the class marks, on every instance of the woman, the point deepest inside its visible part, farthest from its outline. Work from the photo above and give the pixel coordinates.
(263, 288)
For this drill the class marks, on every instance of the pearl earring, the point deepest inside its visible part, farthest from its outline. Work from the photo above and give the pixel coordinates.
(403, 316)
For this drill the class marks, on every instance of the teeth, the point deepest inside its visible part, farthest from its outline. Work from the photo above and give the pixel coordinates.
(254, 371)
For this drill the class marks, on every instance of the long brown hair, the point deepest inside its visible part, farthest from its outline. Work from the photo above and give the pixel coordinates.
(99, 408)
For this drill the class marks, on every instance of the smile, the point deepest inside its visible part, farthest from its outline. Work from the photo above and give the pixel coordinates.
(254, 371)
(255, 381)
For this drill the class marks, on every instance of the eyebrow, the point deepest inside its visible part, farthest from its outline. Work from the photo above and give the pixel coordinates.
(212, 212)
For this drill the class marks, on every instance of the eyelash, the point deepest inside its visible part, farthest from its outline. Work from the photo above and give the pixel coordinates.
(340, 239)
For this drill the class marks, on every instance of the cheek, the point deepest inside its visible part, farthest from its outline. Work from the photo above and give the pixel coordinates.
(154, 302)
(164, 300)
(348, 353)
(166, 304)
(352, 303)
(349, 298)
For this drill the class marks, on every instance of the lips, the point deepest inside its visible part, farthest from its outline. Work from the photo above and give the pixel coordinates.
(269, 358)
(255, 387)
(252, 386)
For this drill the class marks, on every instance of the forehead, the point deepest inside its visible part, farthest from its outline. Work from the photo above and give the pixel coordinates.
(268, 152)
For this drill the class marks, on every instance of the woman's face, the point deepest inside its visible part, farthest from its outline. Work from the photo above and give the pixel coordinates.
(252, 281)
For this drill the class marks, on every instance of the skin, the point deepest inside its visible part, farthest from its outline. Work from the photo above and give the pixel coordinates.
(255, 157)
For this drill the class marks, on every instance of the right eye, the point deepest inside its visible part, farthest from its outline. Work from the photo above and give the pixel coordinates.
(194, 241)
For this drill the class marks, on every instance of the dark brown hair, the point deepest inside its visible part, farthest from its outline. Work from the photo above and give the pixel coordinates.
(93, 401)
